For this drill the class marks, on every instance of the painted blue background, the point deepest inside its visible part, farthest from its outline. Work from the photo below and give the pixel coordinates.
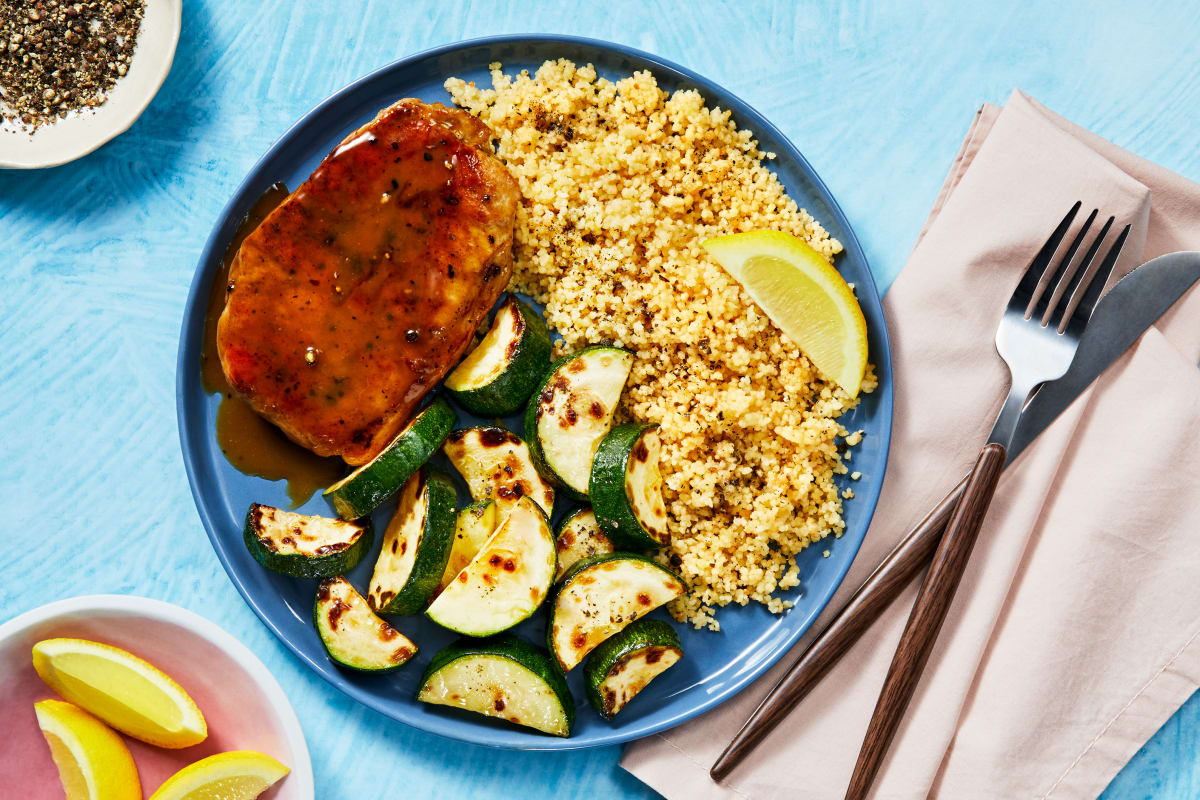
(96, 257)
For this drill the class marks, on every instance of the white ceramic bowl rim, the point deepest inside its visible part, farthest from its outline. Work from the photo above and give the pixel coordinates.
(135, 606)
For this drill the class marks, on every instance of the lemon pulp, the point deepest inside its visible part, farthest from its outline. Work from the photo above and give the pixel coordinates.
(111, 690)
(93, 761)
(237, 775)
(804, 296)
(242, 786)
(73, 781)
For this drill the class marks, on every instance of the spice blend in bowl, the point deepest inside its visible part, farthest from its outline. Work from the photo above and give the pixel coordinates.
(57, 57)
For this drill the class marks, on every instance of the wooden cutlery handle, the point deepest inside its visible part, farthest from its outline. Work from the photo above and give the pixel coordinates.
(928, 614)
(876, 593)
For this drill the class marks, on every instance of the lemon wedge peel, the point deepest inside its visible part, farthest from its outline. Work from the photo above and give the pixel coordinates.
(236, 775)
(127, 692)
(804, 296)
(93, 761)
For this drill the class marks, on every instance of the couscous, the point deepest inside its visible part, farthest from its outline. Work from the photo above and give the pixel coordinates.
(621, 182)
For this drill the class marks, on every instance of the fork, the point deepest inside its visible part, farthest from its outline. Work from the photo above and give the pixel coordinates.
(1037, 343)
(895, 572)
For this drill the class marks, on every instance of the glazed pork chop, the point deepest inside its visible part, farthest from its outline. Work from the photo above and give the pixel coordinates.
(364, 287)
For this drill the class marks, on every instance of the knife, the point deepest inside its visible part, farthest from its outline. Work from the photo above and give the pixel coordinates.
(1129, 308)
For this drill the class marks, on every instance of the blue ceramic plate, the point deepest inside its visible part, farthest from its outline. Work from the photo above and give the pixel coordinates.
(716, 665)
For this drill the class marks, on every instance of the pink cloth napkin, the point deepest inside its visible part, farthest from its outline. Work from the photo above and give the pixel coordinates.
(1076, 631)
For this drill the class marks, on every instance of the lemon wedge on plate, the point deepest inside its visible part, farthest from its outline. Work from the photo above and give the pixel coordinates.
(804, 296)
(239, 775)
(130, 694)
(93, 763)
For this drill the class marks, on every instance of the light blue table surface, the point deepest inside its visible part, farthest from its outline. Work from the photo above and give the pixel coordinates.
(96, 258)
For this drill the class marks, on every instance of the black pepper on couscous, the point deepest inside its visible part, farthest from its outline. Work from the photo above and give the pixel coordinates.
(621, 183)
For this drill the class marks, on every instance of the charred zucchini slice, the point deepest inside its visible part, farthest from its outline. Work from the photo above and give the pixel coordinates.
(502, 677)
(498, 376)
(506, 581)
(304, 546)
(622, 666)
(601, 595)
(365, 489)
(353, 635)
(475, 525)
(572, 411)
(626, 488)
(579, 537)
(496, 465)
(416, 545)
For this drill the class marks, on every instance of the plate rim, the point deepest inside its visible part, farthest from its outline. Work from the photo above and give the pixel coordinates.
(187, 378)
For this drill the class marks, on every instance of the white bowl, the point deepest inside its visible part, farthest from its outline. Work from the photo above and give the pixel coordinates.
(243, 703)
(81, 132)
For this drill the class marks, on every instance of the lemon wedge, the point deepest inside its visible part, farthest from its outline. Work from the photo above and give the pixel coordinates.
(239, 775)
(93, 763)
(804, 296)
(130, 694)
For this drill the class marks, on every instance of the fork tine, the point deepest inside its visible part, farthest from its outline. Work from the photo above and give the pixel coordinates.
(1024, 292)
(1047, 291)
(1069, 287)
(1089, 293)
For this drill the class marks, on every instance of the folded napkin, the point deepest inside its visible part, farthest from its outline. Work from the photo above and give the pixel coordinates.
(1076, 630)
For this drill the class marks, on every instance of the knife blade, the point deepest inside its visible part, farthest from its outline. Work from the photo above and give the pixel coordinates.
(1129, 308)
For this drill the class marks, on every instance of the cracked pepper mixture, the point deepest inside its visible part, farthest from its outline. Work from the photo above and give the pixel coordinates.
(58, 56)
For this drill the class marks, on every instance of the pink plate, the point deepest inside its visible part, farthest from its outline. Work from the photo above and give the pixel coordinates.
(243, 703)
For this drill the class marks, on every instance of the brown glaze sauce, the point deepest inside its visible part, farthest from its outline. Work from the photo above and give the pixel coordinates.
(253, 445)
(361, 290)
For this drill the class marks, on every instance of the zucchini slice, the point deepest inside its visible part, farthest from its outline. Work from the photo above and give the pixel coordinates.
(304, 546)
(506, 581)
(502, 677)
(496, 465)
(626, 488)
(572, 411)
(622, 666)
(579, 537)
(498, 376)
(601, 595)
(365, 489)
(475, 525)
(352, 634)
(416, 545)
